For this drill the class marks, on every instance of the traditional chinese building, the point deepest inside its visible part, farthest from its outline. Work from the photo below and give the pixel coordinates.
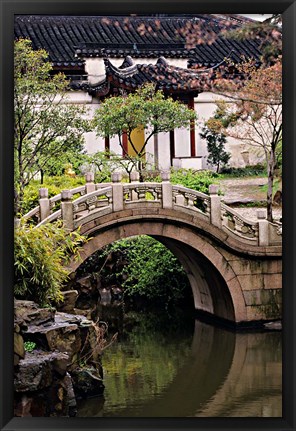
(104, 56)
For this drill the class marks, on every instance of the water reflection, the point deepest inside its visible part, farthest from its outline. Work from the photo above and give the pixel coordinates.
(193, 371)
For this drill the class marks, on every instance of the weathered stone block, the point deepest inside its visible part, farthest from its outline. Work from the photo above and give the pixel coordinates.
(70, 297)
(251, 281)
(18, 345)
(35, 373)
(262, 297)
(64, 337)
(273, 281)
(87, 383)
(28, 312)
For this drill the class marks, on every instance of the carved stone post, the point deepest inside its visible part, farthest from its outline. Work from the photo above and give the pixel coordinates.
(167, 190)
(135, 178)
(215, 205)
(67, 209)
(117, 190)
(44, 205)
(263, 228)
(89, 186)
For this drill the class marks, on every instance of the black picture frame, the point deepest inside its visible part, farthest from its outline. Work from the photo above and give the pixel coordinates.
(94, 7)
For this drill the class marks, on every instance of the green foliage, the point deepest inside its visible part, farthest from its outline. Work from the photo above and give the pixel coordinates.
(196, 180)
(45, 127)
(248, 171)
(216, 147)
(152, 271)
(39, 258)
(56, 166)
(146, 108)
(29, 346)
(53, 184)
(145, 269)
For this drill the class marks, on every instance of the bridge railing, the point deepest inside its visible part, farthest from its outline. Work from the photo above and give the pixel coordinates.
(93, 200)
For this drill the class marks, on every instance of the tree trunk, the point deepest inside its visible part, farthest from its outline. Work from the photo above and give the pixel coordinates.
(270, 185)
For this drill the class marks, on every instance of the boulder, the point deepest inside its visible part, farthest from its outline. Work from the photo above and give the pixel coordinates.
(64, 337)
(274, 326)
(68, 304)
(86, 285)
(18, 345)
(34, 373)
(87, 383)
(28, 312)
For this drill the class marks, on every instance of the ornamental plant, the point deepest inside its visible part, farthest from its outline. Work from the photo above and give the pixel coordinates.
(40, 258)
(45, 127)
(148, 109)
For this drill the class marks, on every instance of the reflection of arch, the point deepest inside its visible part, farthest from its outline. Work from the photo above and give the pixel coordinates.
(196, 381)
(223, 378)
(227, 374)
(203, 372)
(216, 288)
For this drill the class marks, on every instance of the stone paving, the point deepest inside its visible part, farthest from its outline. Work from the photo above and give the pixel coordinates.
(245, 191)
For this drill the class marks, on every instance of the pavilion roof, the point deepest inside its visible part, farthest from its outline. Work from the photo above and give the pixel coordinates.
(166, 77)
(70, 39)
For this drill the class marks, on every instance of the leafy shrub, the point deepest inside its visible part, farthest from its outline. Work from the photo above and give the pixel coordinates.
(29, 346)
(196, 180)
(54, 186)
(216, 147)
(40, 255)
(145, 269)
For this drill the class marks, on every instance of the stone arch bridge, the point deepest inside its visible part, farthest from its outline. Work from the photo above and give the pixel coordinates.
(234, 265)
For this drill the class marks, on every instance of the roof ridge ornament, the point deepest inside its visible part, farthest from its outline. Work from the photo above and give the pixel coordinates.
(162, 61)
(127, 62)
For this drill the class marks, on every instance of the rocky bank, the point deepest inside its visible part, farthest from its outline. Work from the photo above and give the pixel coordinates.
(63, 361)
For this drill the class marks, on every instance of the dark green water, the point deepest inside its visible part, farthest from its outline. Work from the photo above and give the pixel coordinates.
(189, 369)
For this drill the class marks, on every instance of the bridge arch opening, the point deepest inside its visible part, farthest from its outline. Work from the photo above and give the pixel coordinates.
(210, 292)
(202, 263)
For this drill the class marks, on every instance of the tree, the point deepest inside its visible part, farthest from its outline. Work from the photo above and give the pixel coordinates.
(44, 126)
(216, 147)
(254, 115)
(147, 109)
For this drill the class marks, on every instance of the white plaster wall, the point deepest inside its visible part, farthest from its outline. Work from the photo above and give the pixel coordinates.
(182, 142)
(204, 106)
(164, 156)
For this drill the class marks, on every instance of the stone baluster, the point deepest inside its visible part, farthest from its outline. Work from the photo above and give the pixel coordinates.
(215, 206)
(167, 190)
(67, 209)
(90, 185)
(117, 190)
(180, 200)
(134, 178)
(44, 204)
(263, 228)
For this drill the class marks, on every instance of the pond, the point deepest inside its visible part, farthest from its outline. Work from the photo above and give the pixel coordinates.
(169, 367)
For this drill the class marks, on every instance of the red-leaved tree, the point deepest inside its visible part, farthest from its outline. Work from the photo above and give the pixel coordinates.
(253, 112)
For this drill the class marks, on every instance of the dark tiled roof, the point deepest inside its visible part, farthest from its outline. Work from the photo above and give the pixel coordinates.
(68, 39)
(129, 76)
